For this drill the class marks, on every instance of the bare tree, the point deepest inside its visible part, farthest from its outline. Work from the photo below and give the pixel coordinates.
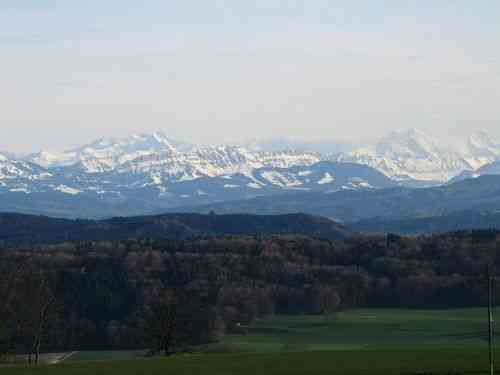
(45, 310)
(35, 308)
(163, 329)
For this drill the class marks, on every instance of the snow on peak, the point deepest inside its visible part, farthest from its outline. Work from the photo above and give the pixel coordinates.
(410, 153)
(21, 172)
(479, 149)
(48, 159)
(67, 190)
(411, 143)
(482, 144)
(327, 179)
(106, 153)
(156, 158)
(284, 180)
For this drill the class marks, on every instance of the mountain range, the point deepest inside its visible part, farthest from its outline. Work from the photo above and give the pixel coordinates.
(376, 209)
(148, 173)
(413, 154)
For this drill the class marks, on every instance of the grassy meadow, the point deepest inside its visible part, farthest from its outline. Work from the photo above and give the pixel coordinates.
(366, 341)
(459, 361)
(372, 329)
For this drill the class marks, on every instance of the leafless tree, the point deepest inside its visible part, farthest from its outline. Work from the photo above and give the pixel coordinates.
(35, 308)
(163, 323)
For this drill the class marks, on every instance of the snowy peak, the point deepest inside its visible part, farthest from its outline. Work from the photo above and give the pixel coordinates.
(48, 159)
(151, 171)
(410, 154)
(155, 142)
(481, 141)
(159, 158)
(156, 159)
(106, 153)
(481, 149)
(16, 175)
(209, 161)
(411, 143)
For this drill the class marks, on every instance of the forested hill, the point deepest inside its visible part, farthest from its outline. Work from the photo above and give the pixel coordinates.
(350, 206)
(17, 228)
(456, 221)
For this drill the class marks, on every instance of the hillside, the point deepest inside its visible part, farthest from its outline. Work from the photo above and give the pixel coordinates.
(16, 228)
(457, 221)
(476, 195)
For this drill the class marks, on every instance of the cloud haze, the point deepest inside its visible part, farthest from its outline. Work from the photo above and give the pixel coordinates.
(233, 70)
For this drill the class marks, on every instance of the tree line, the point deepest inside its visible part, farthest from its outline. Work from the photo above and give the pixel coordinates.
(172, 295)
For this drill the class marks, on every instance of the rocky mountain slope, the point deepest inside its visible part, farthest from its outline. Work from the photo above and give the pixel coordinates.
(77, 194)
(151, 172)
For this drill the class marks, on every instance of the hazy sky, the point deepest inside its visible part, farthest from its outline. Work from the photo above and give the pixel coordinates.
(216, 71)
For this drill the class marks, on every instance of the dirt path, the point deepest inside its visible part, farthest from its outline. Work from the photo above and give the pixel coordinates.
(60, 357)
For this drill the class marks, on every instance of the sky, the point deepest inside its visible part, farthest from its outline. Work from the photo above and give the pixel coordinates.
(230, 70)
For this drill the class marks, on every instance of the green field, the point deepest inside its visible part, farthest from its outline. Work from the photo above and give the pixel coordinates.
(376, 341)
(367, 330)
(106, 355)
(304, 363)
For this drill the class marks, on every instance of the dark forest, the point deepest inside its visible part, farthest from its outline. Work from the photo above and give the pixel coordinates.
(172, 295)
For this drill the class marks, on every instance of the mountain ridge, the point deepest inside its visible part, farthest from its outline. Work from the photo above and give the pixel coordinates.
(83, 195)
(348, 206)
(401, 154)
(453, 222)
(147, 171)
(17, 228)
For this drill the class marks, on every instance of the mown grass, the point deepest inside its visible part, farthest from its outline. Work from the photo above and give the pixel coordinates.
(367, 329)
(106, 355)
(364, 329)
(366, 341)
(459, 361)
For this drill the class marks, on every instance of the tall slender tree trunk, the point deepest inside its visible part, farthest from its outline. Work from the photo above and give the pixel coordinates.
(37, 350)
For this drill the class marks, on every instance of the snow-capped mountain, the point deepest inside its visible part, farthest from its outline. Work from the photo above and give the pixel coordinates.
(75, 194)
(480, 149)
(141, 173)
(107, 153)
(158, 155)
(412, 154)
(16, 175)
(323, 177)
(151, 170)
(172, 166)
(402, 155)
